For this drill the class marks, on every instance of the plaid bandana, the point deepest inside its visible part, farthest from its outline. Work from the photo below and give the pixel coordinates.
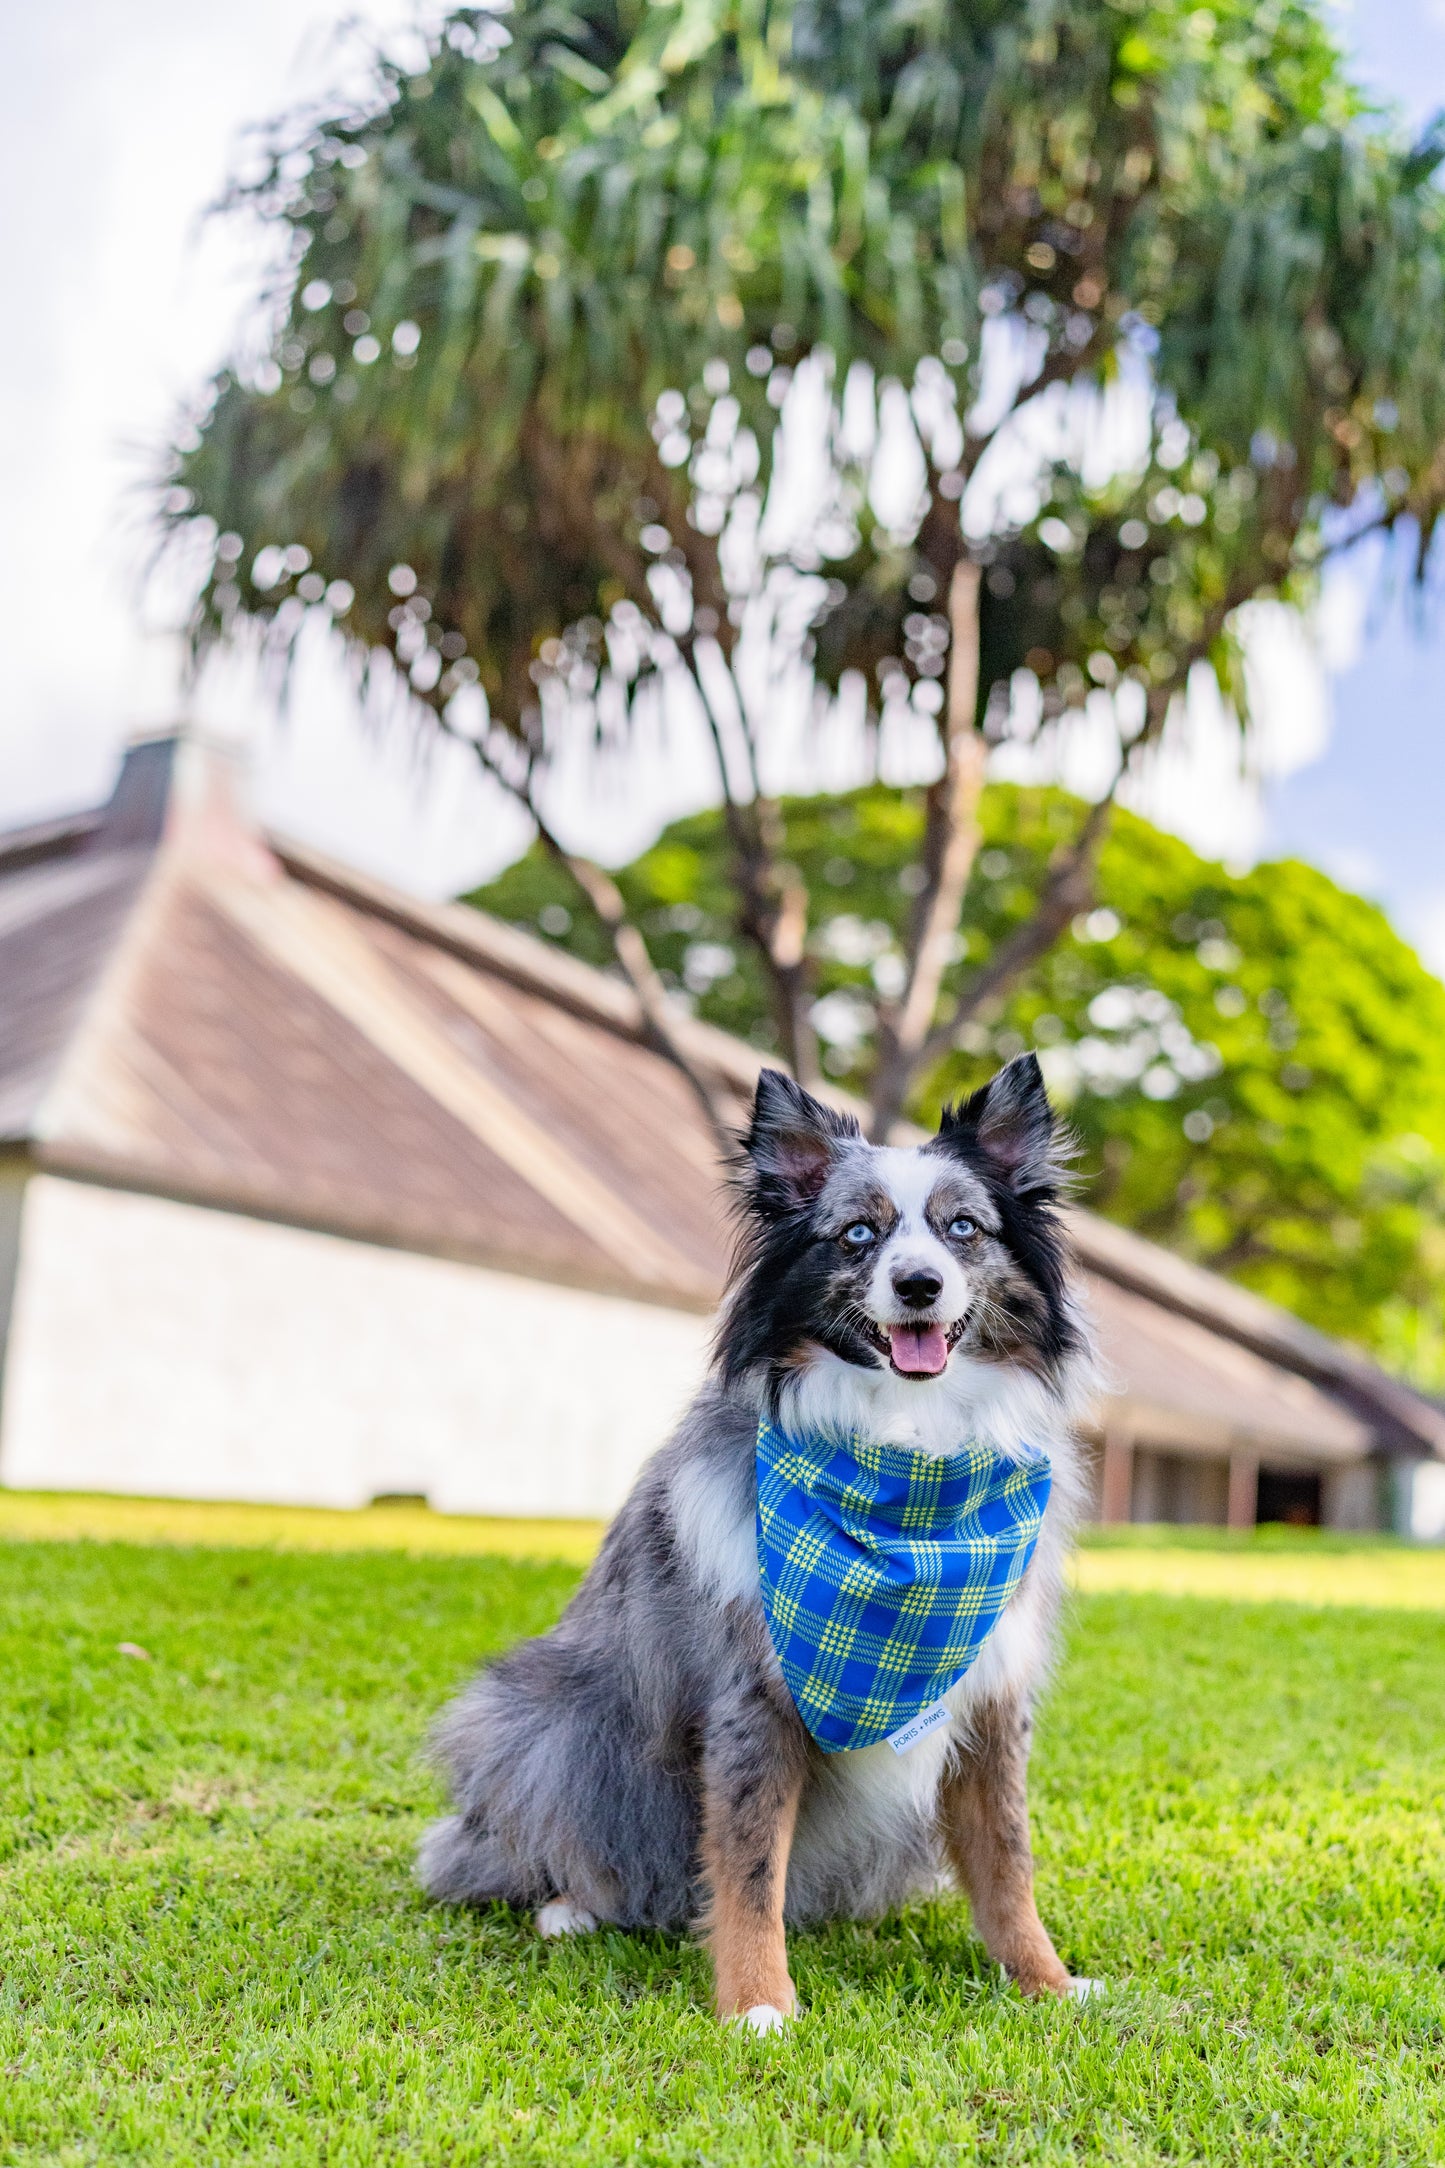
(884, 1573)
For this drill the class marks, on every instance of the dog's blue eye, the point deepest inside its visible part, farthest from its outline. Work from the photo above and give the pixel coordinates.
(960, 1229)
(858, 1236)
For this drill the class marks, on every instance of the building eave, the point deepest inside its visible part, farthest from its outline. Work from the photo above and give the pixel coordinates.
(1401, 1418)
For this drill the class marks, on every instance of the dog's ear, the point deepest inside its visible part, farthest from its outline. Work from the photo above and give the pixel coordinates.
(1009, 1122)
(790, 1144)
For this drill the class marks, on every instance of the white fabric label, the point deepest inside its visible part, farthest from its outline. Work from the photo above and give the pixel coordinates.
(918, 1727)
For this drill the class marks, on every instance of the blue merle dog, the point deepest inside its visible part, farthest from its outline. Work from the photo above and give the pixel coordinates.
(644, 1763)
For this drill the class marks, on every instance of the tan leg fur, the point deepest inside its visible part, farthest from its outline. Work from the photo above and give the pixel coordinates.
(984, 1816)
(745, 1857)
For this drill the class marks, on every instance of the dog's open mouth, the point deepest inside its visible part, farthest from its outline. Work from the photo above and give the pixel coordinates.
(917, 1351)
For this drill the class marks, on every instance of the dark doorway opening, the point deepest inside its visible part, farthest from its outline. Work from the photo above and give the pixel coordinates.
(1286, 1495)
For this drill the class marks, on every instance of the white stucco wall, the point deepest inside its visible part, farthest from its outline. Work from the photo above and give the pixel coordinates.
(172, 1351)
(1420, 1500)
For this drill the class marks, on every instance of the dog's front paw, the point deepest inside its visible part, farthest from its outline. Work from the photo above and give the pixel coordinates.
(562, 1917)
(1081, 1989)
(763, 2018)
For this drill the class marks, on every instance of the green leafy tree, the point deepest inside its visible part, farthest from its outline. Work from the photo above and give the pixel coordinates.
(1255, 1064)
(514, 417)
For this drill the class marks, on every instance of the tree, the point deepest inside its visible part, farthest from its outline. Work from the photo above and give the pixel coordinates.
(540, 305)
(1255, 1064)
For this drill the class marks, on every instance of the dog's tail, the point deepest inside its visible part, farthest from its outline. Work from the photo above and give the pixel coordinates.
(561, 1791)
(458, 1865)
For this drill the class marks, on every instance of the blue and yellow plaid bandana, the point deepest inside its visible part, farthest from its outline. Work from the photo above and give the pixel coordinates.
(884, 1573)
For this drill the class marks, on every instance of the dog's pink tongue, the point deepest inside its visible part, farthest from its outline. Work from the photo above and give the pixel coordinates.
(921, 1350)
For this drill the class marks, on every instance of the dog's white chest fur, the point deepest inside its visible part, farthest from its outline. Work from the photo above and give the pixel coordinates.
(869, 1795)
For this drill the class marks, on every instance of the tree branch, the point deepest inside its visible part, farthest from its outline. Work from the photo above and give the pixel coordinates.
(951, 827)
(950, 840)
(1069, 887)
(1246, 1248)
(1067, 891)
(1061, 365)
(628, 946)
(772, 899)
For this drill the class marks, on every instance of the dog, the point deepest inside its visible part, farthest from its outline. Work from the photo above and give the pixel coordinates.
(645, 1764)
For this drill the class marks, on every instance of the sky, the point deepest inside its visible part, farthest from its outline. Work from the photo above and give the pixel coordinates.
(1369, 810)
(117, 128)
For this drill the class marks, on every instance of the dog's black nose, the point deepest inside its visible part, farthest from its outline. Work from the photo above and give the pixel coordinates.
(917, 1289)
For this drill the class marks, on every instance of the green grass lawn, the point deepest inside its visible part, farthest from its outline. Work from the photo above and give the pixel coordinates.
(213, 1950)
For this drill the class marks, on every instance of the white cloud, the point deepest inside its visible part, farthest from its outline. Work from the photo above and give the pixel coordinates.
(1203, 781)
(1289, 691)
(117, 127)
(1198, 783)
(1422, 922)
(1340, 617)
(1354, 868)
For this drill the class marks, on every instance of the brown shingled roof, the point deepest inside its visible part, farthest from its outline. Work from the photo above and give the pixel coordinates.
(189, 1010)
(258, 1041)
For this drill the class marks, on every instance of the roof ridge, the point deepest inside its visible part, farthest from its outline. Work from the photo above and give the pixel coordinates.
(69, 892)
(130, 816)
(528, 962)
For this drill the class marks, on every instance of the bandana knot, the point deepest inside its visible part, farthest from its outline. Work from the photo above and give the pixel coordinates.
(884, 1572)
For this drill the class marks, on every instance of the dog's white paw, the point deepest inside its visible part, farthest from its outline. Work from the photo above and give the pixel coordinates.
(763, 2018)
(562, 1917)
(1081, 1989)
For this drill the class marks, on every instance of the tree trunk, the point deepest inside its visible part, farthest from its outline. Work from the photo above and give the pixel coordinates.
(950, 840)
(776, 915)
(1068, 890)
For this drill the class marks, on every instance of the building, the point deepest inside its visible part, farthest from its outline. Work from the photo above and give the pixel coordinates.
(312, 1193)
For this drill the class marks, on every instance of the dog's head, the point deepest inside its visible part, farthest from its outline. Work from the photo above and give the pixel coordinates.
(895, 1260)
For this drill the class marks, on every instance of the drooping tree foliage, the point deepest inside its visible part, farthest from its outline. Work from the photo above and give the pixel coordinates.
(1255, 1063)
(541, 303)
